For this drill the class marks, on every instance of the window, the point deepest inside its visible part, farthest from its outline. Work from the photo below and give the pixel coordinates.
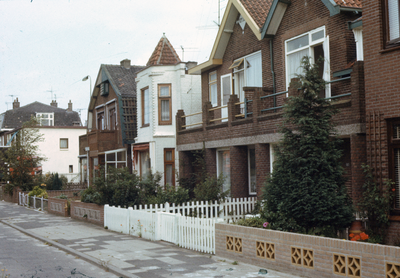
(112, 119)
(45, 119)
(252, 171)
(391, 22)
(100, 121)
(64, 143)
(71, 168)
(104, 89)
(164, 104)
(213, 98)
(394, 157)
(247, 72)
(145, 107)
(226, 91)
(224, 168)
(169, 167)
(314, 44)
(115, 159)
(145, 165)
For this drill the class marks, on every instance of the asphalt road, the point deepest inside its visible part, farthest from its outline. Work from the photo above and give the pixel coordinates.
(24, 256)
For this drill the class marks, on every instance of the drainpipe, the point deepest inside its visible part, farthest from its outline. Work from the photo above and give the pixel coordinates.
(271, 51)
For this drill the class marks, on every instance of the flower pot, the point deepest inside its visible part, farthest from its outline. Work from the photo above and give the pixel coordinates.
(356, 227)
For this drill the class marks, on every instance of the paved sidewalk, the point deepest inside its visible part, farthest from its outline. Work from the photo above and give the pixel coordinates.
(124, 255)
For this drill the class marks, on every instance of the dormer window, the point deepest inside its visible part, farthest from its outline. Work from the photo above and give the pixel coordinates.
(45, 119)
(104, 89)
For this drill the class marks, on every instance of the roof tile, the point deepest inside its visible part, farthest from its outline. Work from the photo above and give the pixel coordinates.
(164, 54)
(258, 10)
(349, 3)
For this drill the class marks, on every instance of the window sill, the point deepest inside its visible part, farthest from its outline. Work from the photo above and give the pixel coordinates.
(146, 125)
(386, 50)
(167, 123)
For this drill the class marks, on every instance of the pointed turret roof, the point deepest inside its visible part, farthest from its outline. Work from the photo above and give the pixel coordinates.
(164, 54)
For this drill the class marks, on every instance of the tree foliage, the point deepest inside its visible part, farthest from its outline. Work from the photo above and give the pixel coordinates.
(21, 158)
(306, 191)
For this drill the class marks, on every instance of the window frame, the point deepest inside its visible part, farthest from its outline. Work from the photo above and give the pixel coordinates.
(160, 99)
(211, 84)
(143, 107)
(64, 148)
(387, 42)
(324, 41)
(169, 162)
(220, 171)
(39, 117)
(392, 145)
(249, 149)
(103, 122)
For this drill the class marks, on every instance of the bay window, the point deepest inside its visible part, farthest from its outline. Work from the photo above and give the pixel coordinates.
(314, 44)
(164, 104)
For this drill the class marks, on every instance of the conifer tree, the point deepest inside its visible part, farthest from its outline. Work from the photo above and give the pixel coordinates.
(306, 191)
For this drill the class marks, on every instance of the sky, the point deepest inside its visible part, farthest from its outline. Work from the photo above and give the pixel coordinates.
(48, 46)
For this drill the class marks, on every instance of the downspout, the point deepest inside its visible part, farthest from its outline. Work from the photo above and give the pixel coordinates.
(271, 51)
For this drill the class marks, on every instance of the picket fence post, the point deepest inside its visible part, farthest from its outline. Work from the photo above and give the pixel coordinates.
(128, 218)
(106, 207)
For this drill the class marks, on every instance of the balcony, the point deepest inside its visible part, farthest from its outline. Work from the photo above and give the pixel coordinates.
(261, 112)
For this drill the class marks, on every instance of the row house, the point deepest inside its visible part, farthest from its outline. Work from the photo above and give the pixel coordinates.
(60, 129)
(164, 87)
(381, 25)
(111, 127)
(247, 78)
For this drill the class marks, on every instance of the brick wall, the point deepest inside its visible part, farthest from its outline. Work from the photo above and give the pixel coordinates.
(14, 198)
(58, 206)
(303, 255)
(239, 172)
(88, 212)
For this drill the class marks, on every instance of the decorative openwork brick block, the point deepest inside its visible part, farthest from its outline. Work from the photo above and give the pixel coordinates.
(229, 243)
(265, 250)
(339, 264)
(308, 258)
(353, 267)
(296, 256)
(238, 245)
(270, 251)
(260, 249)
(392, 270)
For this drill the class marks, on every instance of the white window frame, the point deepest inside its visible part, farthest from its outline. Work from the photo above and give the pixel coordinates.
(212, 83)
(64, 148)
(50, 118)
(116, 161)
(311, 44)
(249, 170)
(224, 111)
(219, 171)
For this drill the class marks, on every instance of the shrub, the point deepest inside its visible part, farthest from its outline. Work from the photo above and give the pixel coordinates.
(38, 192)
(256, 222)
(211, 189)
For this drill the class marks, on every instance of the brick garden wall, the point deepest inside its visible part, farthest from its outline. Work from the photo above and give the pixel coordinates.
(9, 198)
(58, 206)
(303, 255)
(88, 212)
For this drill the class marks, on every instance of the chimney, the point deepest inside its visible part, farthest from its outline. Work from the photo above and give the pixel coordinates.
(126, 63)
(53, 103)
(69, 106)
(16, 103)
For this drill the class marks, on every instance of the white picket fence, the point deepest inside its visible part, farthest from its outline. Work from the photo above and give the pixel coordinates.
(175, 223)
(231, 210)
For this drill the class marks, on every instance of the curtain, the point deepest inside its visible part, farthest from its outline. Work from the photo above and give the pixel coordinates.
(294, 63)
(254, 71)
(165, 110)
(224, 166)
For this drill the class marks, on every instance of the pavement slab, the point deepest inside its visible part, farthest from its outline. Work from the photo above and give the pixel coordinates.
(124, 255)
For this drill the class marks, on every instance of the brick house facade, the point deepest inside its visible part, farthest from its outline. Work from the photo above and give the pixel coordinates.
(238, 137)
(111, 120)
(382, 101)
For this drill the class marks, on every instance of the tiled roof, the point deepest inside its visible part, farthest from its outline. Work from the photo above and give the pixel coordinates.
(123, 78)
(16, 117)
(258, 9)
(349, 3)
(164, 54)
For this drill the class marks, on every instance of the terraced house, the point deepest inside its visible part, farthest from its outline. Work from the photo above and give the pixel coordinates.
(247, 78)
(111, 120)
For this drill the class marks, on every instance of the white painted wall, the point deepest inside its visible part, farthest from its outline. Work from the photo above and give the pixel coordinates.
(58, 160)
(185, 94)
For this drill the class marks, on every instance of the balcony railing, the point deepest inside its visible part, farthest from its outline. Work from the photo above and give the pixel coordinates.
(244, 110)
